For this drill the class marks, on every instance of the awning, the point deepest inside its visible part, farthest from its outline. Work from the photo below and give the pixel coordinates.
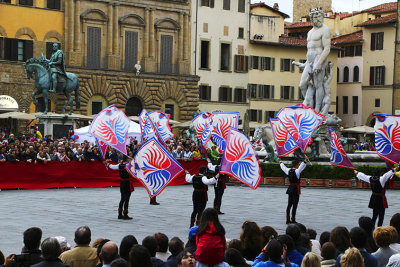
(360, 129)
(7, 103)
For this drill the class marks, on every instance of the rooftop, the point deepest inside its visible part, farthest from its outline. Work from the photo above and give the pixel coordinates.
(261, 4)
(379, 21)
(298, 25)
(382, 8)
(351, 38)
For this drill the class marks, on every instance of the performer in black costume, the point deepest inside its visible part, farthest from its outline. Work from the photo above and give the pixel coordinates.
(219, 189)
(125, 187)
(377, 202)
(293, 190)
(200, 185)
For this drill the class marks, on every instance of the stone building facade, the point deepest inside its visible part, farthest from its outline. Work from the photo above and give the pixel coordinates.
(301, 7)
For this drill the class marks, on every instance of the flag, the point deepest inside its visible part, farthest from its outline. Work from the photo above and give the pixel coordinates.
(102, 147)
(284, 142)
(239, 159)
(161, 123)
(300, 121)
(111, 126)
(154, 167)
(146, 127)
(203, 126)
(338, 155)
(387, 137)
(221, 121)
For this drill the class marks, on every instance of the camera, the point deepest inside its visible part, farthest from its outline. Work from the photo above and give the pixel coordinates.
(22, 260)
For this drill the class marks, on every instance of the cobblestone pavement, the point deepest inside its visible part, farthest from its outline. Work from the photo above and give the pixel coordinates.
(61, 211)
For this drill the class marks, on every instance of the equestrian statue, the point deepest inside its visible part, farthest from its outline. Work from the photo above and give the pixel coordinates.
(51, 77)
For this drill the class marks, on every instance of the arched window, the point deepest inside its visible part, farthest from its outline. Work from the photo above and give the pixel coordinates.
(337, 75)
(356, 74)
(346, 74)
(133, 106)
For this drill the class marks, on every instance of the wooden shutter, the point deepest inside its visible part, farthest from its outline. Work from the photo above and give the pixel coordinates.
(282, 64)
(11, 49)
(291, 65)
(244, 95)
(251, 62)
(131, 48)
(273, 64)
(212, 3)
(241, 7)
(28, 49)
(94, 47)
(220, 94)
(273, 91)
(246, 63)
(229, 94)
(291, 92)
(259, 115)
(371, 75)
(373, 40)
(260, 91)
(166, 54)
(383, 75)
(235, 95)
(380, 42)
(282, 89)
(208, 92)
(227, 5)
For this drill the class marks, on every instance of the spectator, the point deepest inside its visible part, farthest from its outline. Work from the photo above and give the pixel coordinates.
(82, 255)
(292, 254)
(175, 246)
(234, 258)
(383, 238)
(367, 224)
(63, 243)
(328, 254)
(324, 237)
(394, 261)
(43, 157)
(119, 262)
(294, 231)
(311, 260)
(54, 156)
(98, 250)
(316, 247)
(252, 240)
(340, 236)
(178, 153)
(150, 243)
(187, 154)
(268, 233)
(186, 259)
(162, 246)
(51, 250)
(140, 256)
(191, 243)
(196, 154)
(394, 245)
(126, 244)
(109, 252)
(352, 258)
(274, 250)
(214, 152)
(395, 222)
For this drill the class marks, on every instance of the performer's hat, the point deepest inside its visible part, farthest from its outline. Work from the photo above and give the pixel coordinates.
(192, 232)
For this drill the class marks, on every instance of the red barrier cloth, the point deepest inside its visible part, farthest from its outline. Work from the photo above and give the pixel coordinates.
(72, 174)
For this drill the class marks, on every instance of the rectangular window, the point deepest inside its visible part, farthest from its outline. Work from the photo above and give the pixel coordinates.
(355, 104)
(255, 115)
(5, 1)
(97, 106)
(266, 91)
(287, 92)
(269, 114)
(205, 93)
(166, 53)
(254, 62)
(205, 55)
(349, 51)
(53, 4)
(227, 5)
(345, 104)
(377, 102)
(170, 109)
(26, 2)
(241, 63)
(94, 47)
(242, 6)
(286, 64)
(377, 41)
(267, 63)
(225, 57)
(358, 51)
(252, 90)
(240, 95)
(209, 3)
(241, 33)
(225, 94)
(131, 50)
(17, 49)
(377, 75)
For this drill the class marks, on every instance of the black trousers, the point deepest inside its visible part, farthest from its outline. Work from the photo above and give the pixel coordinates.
(218, 196)
(293, 200)
(199, 204)
(125, 190)
(378, 212)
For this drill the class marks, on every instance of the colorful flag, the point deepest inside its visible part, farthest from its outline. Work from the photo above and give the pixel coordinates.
(154, 167)
(203, 125)
(338, 155)
(221, 121)
(387, 137)
(146, 126)
(300, 121)
(284, 142)
(102, 147)
(111, 126)
(161, 123)
(239, 159)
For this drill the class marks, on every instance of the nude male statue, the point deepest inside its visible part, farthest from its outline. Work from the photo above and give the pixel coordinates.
(318, 49)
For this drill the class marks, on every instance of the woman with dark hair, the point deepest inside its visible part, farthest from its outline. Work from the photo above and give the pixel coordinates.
(140, 256)
(268, 233)
(127, 243)
(234, 258)
(340, 237)
(252, 240)
(210, 240)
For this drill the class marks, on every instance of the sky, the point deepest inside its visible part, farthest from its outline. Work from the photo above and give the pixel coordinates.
(286, 6)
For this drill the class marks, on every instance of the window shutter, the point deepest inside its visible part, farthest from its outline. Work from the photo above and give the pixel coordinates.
(282, 64)
(236, 95)
(235, 63)
(381, 41)
(28, 49)
(14, 49)
(202, 2)
(212, 3)
(273, 64)
(131, 48)
(208, 92)
(229, 94)
(272, 91)
(251, 62)
(291, 65)
(291, 92)
(244, 95)
(282, 89)
(259, 115)
(383, 75)
(260, 91)
(371, 75)
(373, 41)
(220, 94)
(246, 63)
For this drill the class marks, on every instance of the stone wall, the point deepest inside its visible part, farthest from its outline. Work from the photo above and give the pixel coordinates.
(301, 7)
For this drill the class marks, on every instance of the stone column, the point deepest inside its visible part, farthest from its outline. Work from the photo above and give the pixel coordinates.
(115, 30)
(110, 29)
(77, 45)
(146, 34)
(180, 46)
(71, 26)
(186, 36)
(151, 34)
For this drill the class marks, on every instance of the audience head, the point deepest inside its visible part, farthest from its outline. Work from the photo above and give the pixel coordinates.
(83, 236)
(162, 242)
(185, 259)
(324, 237)
(150, 243)
(394, 234)
(192, 233)
(268, 233)
(210, 215)
(63, 243)
(126, 244)
(2, 259)
(312, 233)
(395, 222)
(288, 241)
(109, 252)
(140, 256)
(367, 224)
(251, 235)
(294, 231)
(100, 246)
(51, 249)
(234, 258)
(328, 251)
(203, 169)
(32, 237)
(340, 236)
(175, 246)
(358, 237)
(275, 250)
(305, 241)
(311, 260)
(352, 258)
(119, 262)
(382, 236)
(236, 244)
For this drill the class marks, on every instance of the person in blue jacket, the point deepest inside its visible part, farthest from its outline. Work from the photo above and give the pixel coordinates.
(273, 251)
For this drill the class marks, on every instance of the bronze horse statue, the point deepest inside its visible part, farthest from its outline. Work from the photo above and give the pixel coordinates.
(41, 68)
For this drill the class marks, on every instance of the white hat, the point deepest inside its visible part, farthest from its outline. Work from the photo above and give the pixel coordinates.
(63, 242)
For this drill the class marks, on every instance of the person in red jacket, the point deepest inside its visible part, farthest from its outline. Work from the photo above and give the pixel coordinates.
(210, 240)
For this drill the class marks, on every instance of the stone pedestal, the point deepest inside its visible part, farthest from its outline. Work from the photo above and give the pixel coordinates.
(56, 125)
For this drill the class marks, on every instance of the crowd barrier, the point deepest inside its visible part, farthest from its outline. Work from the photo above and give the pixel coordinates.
(72, 174)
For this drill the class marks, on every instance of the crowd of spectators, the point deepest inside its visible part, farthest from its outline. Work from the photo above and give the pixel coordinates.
(206, 245)
(364, 146)
(33, 150)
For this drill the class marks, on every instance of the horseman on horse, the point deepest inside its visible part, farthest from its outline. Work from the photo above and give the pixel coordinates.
(57, 67)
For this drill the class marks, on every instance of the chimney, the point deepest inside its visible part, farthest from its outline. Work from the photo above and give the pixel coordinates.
(276, 6)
